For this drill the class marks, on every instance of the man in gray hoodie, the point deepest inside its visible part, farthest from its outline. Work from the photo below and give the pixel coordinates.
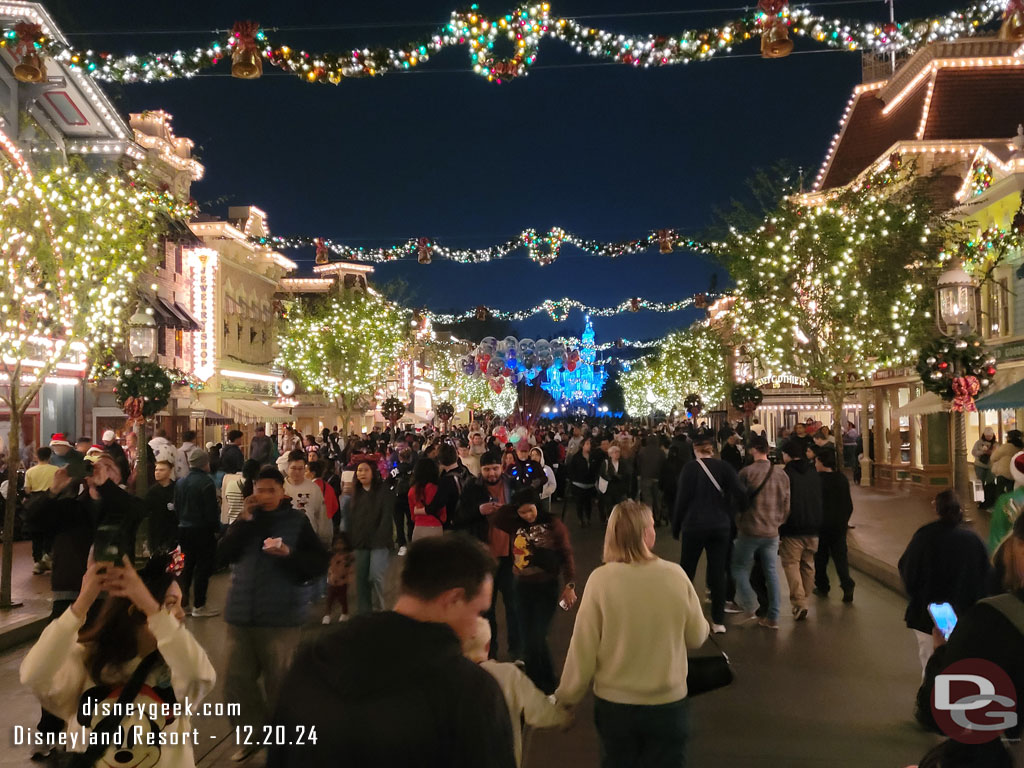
(757, 528)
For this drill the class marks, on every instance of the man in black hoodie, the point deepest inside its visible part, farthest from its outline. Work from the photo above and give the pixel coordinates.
(799, 534)
(393, 689)
(836, 506)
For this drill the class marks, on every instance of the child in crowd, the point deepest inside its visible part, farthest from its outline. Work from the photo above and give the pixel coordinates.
(339, 573)
(525, 701)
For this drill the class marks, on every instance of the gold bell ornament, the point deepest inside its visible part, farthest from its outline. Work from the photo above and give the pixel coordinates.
(246, 63)
(30, 67)
(1013, 22)
(775, 42)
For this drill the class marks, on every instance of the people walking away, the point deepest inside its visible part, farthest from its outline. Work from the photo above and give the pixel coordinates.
(799, 534)
(161, 514)
(403, 669)
(541, 553)
(277, 557)
(707, 498)
(851, 440)
(38, 480)
(339, 578)
(650, 461)
(421, 495)
(135, 651)
(836, 508)
(982, 452)
(232, 492)
(638, 616)
(731, 452)
(370, 527)
(584, 470)
(307, 497)
(480, 502)
(527, 704)
(765, 509)
(195, 501)
(262, 448)
(668, 484)
(184, 453)
(231, 458)
(401, 482)
(943, 563)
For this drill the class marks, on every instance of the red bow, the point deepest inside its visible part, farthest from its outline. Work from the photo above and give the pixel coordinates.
(1012, 7)
(246, 32)
(965, 388)
(27, 34)
(773, 7)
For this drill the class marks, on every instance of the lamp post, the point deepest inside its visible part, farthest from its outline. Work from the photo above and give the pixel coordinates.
(142, 347)
(957, 317)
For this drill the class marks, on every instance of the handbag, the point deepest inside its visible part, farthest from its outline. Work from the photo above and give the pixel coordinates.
(708, 673)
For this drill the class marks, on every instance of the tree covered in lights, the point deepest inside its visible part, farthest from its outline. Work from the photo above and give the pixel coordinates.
(834, 287)
(72, 244)
(481, 397)
(343, 345)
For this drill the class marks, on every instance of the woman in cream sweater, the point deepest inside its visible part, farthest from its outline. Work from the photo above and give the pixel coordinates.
(637, 617)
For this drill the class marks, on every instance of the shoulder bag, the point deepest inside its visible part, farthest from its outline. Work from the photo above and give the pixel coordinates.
(708, 673)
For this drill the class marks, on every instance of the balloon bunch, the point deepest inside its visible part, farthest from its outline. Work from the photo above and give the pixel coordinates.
(515, 360)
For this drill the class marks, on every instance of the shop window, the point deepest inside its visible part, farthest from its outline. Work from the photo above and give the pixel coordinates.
(177, 260)
(997, 320)
(902, 398)
(161, 341)
(179, 343)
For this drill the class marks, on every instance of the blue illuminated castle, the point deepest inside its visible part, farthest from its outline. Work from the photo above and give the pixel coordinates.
(582, 386)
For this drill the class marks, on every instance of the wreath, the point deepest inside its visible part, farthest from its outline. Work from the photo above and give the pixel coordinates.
(392, 409)
(445, 411)
(142, 389)
(693, 404)
(746, 397)
(957, 369)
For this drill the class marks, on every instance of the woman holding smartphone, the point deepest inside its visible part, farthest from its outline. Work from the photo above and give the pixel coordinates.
(943, 563)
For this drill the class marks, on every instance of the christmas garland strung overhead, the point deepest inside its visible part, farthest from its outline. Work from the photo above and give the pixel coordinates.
(542, 249)
(957, 370)
(505, 47)
(142, 390)
(558, 310)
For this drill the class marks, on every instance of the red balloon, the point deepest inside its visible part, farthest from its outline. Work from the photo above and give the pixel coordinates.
(482, 361)
(507, 372)
(570, 364)
(497, 385)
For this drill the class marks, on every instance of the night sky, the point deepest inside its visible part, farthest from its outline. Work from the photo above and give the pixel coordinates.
(603, 151)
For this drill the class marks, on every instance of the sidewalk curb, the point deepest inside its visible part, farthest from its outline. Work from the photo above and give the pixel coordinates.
(23, 630)
(879, 570)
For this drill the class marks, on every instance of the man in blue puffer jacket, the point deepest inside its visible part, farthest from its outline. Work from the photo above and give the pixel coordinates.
(276, 556)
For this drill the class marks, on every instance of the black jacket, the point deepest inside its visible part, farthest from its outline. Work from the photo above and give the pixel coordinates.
(943, 563)
(699, 506)
(387, 691)
(468, 517)
(805, 513)
(161, 517)
(195, 501)
(836, 502)
(731, 455)
(69, 520)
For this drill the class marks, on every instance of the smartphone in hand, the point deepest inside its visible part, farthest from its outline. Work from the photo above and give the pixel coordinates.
(944, 617)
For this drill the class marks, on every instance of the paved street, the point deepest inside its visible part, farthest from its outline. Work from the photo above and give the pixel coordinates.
(835, 691)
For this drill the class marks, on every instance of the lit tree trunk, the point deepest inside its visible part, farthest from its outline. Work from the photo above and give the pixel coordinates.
(837, 400)
(17, 407)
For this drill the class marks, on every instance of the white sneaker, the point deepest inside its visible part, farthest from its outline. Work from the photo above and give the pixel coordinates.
(326, 620)
(731, 607)
(204, 612)
(343, 617)
(718, 629)
(402, 551)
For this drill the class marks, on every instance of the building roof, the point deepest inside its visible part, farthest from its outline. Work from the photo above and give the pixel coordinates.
(965, 90)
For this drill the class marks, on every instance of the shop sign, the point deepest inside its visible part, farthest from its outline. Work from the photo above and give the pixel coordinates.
(892, 373)
(264, 388)
(776, 381)
(1008, 351)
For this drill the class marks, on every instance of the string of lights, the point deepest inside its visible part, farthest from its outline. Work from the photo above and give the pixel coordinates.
(559, 309)
(505, 47)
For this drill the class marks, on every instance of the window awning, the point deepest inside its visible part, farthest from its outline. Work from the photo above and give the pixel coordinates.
(927, 403)
(211, 418)
(161, 313)
(1008, 397)
(193, 324)
(254, 412)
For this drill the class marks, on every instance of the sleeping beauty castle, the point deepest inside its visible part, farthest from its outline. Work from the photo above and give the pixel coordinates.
(581, 386)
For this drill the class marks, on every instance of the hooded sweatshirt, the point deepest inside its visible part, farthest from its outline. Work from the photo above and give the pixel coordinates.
(357, 681)
(805, 513)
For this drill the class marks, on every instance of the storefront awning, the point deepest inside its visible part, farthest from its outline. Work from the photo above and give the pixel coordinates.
(927, 403)
(255, 412)
(1008, 397)
(211, 418)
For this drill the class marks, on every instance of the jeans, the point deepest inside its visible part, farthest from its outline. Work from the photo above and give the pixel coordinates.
(797, 554)
(505, 583)
(832, 543)
(584, 502)
(255, 652)
(743, 553)
(403, 523)
(637, 736)
(537, 604)
(716, 544)
(371, 565)
(650, 494)
(199, 545)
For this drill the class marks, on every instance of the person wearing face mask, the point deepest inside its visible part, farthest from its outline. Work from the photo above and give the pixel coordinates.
(393, 688)
(277, 557)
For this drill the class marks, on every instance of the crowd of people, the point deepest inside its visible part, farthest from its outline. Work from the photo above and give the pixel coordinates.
(307, 522)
